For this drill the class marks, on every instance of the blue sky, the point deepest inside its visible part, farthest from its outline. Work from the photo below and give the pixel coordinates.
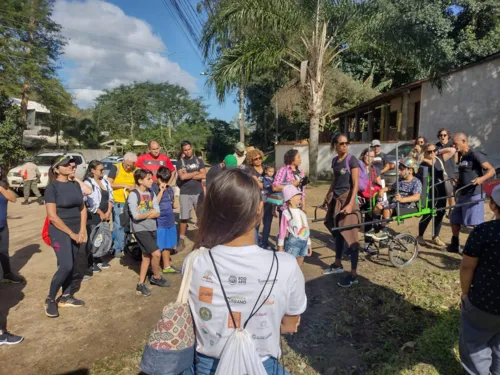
(118, 41)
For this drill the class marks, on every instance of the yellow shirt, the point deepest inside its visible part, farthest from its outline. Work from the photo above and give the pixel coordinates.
(122, 178)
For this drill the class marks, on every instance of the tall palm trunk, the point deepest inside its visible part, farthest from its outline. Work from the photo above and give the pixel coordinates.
(315, 109)
(242, 113)
(27, 79)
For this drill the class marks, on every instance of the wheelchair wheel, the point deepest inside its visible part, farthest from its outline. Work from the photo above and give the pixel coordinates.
(403, 249)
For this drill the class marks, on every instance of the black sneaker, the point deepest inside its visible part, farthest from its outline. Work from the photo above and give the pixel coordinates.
(348, 281)
(159, 282)
(103, 265)
(333, 269)
(13, 278)
(180, 245)
(453, 249)
(41, 201)
(142, 289)
(369, 250)
(25, 203)
(51, 309)
(7, 338)
(70, 301)
(95, 269)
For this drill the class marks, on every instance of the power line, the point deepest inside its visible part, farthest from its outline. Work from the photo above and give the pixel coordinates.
(165, 4)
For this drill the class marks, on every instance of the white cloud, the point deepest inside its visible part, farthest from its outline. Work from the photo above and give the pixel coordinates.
(107, 48)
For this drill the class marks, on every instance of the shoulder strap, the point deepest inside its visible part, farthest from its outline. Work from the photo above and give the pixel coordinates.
(254, 310)
(183, 163)
(347, 160)
(442, 166)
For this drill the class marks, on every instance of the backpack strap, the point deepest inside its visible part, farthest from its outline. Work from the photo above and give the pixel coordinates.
(347, 162)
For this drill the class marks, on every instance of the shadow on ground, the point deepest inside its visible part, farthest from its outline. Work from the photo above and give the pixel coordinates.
(361, 330)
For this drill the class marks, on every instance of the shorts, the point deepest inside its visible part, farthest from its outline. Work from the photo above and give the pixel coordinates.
(147, 242)
(166, 238)
(299, 248)
(189, 202)
(468, 215)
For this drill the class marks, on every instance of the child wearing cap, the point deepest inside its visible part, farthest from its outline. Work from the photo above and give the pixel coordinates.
(294, 229)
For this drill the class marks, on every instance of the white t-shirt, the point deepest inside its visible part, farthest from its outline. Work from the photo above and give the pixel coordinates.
(244, 273)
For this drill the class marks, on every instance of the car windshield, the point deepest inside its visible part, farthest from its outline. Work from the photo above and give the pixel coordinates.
(107, 165)
(44, 159)
(404, 149)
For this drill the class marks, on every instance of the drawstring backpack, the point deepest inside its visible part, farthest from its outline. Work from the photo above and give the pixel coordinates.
(170, 349)
(239, 356)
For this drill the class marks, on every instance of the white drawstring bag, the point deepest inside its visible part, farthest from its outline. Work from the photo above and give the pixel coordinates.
(239, 355)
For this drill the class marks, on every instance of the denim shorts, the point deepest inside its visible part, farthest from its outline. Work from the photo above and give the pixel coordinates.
(207, 366)
(470, 214)
(296, 246)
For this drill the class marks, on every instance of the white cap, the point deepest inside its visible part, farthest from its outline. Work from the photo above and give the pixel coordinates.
(375, 142)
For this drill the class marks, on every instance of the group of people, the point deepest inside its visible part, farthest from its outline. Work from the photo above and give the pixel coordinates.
(233, 199)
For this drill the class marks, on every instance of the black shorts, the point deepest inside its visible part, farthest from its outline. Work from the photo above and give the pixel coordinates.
(147, 241)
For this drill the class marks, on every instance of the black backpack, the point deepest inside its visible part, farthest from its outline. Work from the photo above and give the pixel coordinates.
(126, 215)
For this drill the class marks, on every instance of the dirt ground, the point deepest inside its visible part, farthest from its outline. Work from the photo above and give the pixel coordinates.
(115, 321)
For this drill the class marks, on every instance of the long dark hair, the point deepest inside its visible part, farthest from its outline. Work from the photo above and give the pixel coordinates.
(92, 165)
(230, 209)
(290, 156)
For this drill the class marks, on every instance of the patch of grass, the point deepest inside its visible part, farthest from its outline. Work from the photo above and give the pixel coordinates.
(119, 365)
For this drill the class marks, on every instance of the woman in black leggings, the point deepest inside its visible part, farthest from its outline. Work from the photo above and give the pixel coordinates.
(68, 218)
(99, 208)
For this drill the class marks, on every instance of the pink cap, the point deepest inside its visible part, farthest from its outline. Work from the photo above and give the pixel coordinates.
(290, 191)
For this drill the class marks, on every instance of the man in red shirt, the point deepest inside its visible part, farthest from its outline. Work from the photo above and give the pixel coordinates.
(154, 160)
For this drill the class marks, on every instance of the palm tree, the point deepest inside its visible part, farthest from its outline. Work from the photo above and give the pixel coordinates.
(306, 36)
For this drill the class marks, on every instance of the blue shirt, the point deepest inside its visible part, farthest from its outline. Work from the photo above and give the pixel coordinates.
(167, 218)
(3, 211)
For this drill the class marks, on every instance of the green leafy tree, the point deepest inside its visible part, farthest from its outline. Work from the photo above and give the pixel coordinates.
(30, 44)
(223, 137)
(11, 133)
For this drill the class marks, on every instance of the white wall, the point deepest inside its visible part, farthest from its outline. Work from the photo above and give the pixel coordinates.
(469, 103)
(325, 156)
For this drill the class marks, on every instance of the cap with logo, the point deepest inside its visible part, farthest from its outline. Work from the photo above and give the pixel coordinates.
(63, 161)
(492, 190)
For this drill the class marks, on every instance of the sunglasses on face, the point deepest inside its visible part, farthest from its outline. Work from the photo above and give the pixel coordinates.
(376, 146)
(402, 168)
(431, 151)
(443, 135)
(257, 158)
(343, 143)
(71, 166)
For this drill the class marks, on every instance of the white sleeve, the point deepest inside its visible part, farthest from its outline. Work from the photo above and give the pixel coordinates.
(297, 299)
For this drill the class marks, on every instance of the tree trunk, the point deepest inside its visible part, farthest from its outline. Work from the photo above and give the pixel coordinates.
(242, 113)
(27, 79)
(131, 124)
(314, 122)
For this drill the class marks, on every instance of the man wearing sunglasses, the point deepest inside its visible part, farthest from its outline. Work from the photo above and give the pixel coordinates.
(380, 160)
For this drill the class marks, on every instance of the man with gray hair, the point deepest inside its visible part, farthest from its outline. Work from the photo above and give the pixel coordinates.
(121, 178)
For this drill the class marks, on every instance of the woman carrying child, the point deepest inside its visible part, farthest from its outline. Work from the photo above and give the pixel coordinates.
(166, 230)
(294, 229)
(342, 204)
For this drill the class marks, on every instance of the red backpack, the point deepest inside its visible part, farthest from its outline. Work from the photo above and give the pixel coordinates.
(45, 232)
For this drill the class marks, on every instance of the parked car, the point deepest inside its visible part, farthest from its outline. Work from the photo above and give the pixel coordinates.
(43, 161)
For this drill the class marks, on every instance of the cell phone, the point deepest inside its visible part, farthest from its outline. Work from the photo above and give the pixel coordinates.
(305, 181)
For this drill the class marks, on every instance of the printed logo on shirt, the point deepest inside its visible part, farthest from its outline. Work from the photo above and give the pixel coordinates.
(233, 280)
(343, 171)
(269, 301)
(238, 300)
(212, 342)
(261, 314)
(208, 277)
(204, 330)
(205, 314)
(237, 319)
(265, 337)
(464, 163)
(267, 281)
(205, 294)
(263, 324)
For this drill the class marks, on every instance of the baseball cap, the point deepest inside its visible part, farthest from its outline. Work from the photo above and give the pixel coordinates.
(375, 142)
(230, 161)
(62, 161)
(240, 147)
(492, 190)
